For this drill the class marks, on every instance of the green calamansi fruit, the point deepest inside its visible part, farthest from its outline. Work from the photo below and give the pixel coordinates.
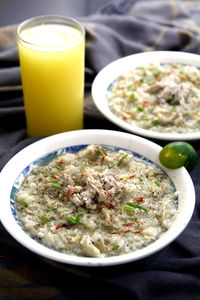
(178, 154)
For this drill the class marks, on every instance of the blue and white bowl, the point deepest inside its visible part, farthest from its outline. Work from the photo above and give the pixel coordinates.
(107, 76)
(48, 148)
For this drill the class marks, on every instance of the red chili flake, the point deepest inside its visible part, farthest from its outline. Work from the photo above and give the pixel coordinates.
(61, 196)
(61, 162)
(40, 179)
(129, 224)
(103, 150)
(127, 112)
(139, 199)
(145, 103)
(136, 232)
(102, 160)
(70, 195)
(194, 82)
(130, 117)
(137, 82)
(53, 177)
(52, 197)
(116, 232)
(132, 176)
(102, 207)
(109, 195)
(76, 184)
(111, 205)
(58, 226)
(126, 231)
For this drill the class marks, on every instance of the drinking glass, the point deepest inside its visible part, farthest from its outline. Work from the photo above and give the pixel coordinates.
(51, 54)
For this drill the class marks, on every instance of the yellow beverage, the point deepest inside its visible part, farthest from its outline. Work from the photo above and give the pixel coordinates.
(52, 69)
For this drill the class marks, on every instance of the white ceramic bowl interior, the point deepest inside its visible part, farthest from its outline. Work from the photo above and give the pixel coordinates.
(112, 72)
(23, 159)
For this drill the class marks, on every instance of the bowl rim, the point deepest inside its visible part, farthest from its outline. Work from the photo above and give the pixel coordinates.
(114, 69)
(131, 142)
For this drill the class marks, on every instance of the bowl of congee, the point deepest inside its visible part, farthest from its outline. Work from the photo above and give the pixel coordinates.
(152, 94)
(94, 198)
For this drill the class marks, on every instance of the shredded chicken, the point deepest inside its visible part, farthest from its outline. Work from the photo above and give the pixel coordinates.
(96, 189)
(171, 92)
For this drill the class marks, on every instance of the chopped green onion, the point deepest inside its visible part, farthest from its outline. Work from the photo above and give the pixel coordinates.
(145, 118)
(129, 87)
(139, 108)
(111, 166)
(25, 204)
(140, 179)
(141, 80)
(157, 183)
(100, 152)
(49, 209)
(132, 96)
(86, 164)
(121, 159)
(71, 220)
(171, 97)
(155, 122)
(44, 218)
(56, 186)
(128, 208)
(137, 206)
(157, 73)
(141, 68)
(78, 218)
(116, 246)
(53, 181)
(58, 168)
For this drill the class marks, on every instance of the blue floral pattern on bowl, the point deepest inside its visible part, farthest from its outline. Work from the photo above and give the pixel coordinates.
(52, 155)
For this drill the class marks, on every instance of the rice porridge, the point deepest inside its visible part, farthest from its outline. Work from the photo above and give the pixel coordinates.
(163, 98)
(96, 202)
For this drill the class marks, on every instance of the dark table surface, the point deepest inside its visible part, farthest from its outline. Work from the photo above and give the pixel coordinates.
(116, 30)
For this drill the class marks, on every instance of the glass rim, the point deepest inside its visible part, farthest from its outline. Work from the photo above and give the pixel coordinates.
(48, 19)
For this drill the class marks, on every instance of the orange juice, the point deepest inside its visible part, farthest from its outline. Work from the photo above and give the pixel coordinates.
(52, 69)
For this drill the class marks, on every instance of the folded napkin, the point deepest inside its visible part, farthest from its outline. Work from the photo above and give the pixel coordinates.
(118, 29)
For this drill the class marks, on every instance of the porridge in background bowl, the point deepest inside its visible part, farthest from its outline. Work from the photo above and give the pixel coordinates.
(159, 97)
(153, 94)
(99, 202)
